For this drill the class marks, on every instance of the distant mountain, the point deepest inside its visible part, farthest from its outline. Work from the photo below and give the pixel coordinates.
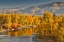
(55, 7)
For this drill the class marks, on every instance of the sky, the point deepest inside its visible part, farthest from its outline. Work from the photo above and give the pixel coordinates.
(19, 3)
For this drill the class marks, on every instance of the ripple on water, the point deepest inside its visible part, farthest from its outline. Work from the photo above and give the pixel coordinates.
(15, 39)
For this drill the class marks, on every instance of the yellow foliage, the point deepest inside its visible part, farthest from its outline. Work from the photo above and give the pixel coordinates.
(48, 14)
(45, 25)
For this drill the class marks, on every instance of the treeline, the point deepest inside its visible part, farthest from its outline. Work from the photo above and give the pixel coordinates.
(25, 19)
(47, 24)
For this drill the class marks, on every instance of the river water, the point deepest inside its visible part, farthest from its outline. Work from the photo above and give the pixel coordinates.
(4, 38)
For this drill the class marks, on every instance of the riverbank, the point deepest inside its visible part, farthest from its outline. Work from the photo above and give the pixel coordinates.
(45, 39)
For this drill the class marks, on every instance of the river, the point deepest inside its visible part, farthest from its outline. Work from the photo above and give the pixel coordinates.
(5, 38)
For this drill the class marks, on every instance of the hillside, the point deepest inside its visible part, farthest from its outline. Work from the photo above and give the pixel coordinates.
(55, 7)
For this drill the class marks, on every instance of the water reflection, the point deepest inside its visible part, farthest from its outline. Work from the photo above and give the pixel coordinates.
(16, 39)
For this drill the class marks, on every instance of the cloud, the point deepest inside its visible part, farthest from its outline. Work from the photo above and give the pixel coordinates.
(34, 9)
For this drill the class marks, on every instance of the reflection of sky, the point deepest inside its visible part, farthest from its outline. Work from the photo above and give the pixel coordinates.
(16, 39)
(17, 3)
